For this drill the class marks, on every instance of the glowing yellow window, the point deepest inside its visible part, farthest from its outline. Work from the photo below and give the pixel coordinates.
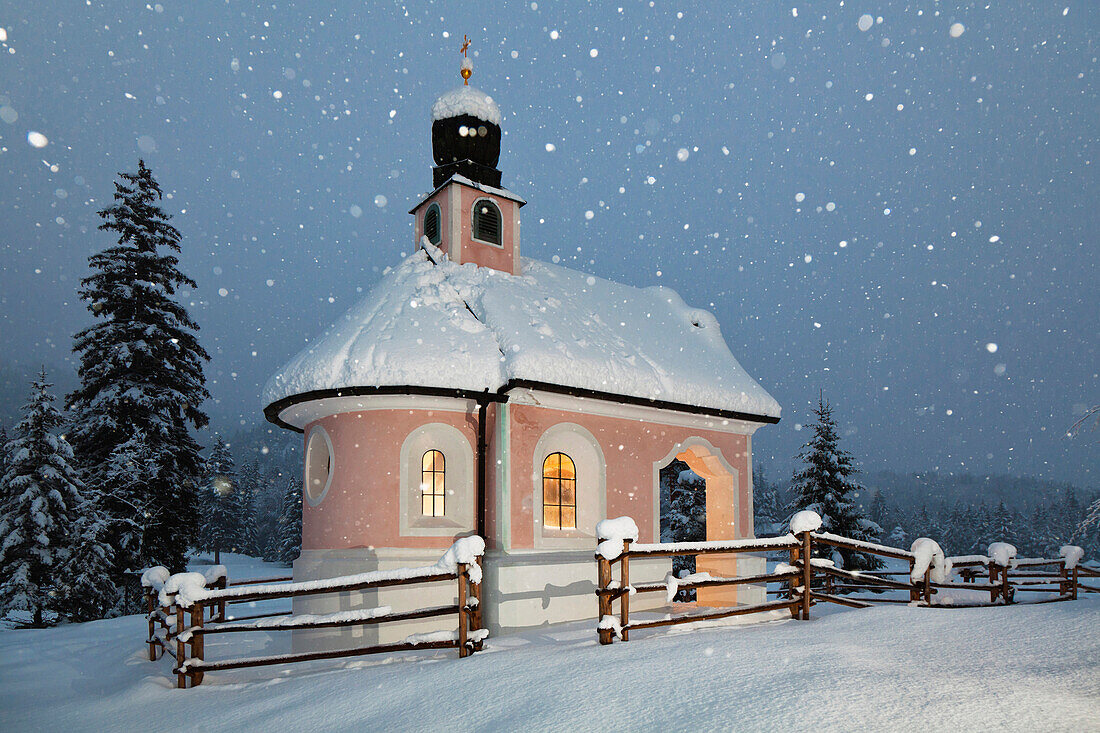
(559, 492)
(433, 483)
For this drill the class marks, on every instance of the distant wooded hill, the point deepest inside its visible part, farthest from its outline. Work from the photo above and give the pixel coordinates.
(913, 490)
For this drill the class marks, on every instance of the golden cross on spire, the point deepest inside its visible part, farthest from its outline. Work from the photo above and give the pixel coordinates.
(467, 65)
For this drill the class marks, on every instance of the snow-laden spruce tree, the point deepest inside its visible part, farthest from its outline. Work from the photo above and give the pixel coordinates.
(85, 591)
(824, 486)
(221, 522)
(290, 523)
(1088, 531)
(767, 509)
(1004, 525)
(130, 474)
(251, 482)
(3, 452)
(141, 371)
(41, 491)
(879, 511)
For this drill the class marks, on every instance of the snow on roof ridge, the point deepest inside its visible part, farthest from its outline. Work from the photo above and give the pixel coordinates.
(504, 193)
(551, 324)
(466, 100)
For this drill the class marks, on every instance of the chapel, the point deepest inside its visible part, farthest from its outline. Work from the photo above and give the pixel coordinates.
(477, 391)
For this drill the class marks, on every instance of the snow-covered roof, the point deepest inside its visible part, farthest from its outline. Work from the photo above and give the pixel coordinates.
(485, 188)
(474, 328)
(466, 101)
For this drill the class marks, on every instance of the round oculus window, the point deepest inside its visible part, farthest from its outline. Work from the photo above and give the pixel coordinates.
(319, 464)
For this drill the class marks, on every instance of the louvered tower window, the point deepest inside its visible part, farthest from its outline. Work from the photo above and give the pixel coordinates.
(431, 224)
(486, 222)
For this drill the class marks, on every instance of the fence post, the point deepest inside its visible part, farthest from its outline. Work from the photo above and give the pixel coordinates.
(1006, 589)
(463, 621)
(150, 605)
(181, 648)
(603, 566)
(475, 615)
(624, 583)
(914, 591)
(793, 582)
(223, 583)
(807, 575)
(1073, 585)
(197, 642)
(992, 581)
(927, 585)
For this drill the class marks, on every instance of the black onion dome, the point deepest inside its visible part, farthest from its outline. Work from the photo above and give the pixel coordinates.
(466, 136)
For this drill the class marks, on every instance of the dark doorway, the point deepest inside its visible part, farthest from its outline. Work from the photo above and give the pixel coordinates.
(683, 515)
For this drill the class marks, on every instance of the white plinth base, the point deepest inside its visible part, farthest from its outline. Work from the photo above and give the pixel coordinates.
(521, 590)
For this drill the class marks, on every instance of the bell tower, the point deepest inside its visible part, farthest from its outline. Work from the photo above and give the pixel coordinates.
(468, 215)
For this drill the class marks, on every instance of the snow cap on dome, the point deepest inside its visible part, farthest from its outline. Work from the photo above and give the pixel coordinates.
(466, 101)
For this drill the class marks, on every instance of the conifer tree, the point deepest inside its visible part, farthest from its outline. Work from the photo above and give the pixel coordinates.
(956, 538)
(1087, 533)
(879, 511)
(923, 525)
(1068, 517)
(289, 535)
(898, 537)
(85, 591)
(4, 464)
(141, 372)
(1003, 526)
(3, 451)
(767, 510)
(221, 520)
(41, 491)
(250, 484)
(824, 486)
(982, 531)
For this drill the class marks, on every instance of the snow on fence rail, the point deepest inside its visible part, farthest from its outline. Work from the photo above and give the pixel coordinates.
(930, 574)
(180, 606)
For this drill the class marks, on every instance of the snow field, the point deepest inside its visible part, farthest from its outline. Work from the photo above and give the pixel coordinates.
(1020, 668)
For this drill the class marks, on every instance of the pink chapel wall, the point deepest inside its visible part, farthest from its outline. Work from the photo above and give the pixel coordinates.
(440, 198)
(362, 505)
(501, 258)
(630, 448)
(498, 258)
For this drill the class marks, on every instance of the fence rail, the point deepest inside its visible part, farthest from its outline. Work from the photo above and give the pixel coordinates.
(185, 608)
(807, 580)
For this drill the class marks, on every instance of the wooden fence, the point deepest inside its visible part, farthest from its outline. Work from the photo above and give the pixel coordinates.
(184, 609)
(804, 584)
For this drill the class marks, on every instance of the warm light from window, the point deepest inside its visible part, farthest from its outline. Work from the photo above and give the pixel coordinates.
(433, 478)
(559, 492)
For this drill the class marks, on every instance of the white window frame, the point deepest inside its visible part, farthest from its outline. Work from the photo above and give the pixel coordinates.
(423, 221)
(311, 499)
(588, 459)
(473, 229)
(458, 503)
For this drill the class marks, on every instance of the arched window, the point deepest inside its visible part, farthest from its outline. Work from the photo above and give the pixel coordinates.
(559, 492)
(433, 483)
(431, 224)
(486, 222)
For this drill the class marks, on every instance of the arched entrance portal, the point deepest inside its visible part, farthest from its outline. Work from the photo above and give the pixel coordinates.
(722, 485)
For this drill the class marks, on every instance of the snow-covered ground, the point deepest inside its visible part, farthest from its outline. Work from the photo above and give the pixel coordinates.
(888, 668)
